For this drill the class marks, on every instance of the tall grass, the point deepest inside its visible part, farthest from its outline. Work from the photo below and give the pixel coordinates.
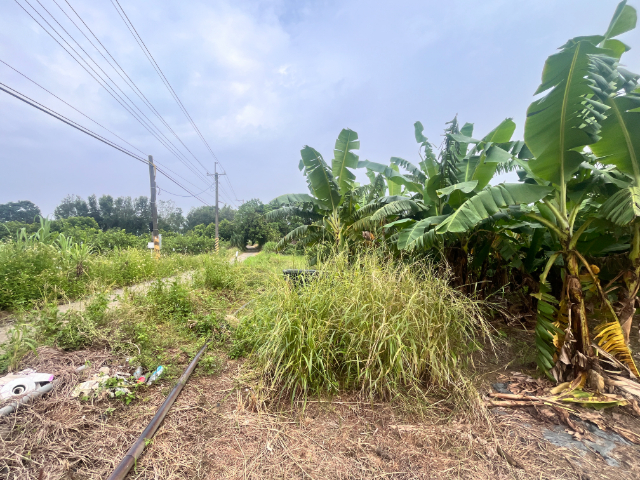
(32, 273)
(365, 324)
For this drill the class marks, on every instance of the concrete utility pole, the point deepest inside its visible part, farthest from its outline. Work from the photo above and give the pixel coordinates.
(154, 208)
(216, 174)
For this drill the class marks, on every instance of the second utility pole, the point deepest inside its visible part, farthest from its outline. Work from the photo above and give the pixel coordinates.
(215, 174)
(154, 208)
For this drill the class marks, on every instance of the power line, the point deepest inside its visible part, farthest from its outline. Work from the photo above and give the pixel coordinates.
(71, 106)
(130, 82)
(92, 120)
(120, 100)
(68, 121)
(24, 98)
(164, 79)
(158, 70)
(176, 195)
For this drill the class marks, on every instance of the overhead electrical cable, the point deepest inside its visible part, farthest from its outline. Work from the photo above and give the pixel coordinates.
(176, 195)
(92, 120)
(154, 64)
(108, 87)
(24, 98)
(71, 106)
(158, 70)
(128, 79)
(68, 121)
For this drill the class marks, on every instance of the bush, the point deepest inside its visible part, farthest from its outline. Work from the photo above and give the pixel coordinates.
(368, 325)
(269, 247)
(29, 273)
(219, 273)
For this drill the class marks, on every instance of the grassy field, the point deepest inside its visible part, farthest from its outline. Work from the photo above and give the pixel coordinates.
(365, 371)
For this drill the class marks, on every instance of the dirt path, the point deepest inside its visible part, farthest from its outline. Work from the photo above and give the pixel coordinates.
(116, 293)
(218, 428)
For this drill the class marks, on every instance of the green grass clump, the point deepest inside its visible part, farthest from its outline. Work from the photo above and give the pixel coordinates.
(219, 273)
(364, 324)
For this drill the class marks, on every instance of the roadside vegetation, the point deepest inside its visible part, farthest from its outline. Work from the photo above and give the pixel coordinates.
(411, 292)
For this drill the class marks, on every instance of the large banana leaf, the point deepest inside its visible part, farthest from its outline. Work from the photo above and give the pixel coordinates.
(624, 19)
(620, 143)
(566, 118)
(301, 233)
(319, 178)
(394, 188)
(392, 175)
(429, 164)
(411, 168)
(399, 207)
(413, 236)
(344, 159)
(293, 198)
(290, 211)
(464, 187)
(492, 156)
(489, 202)
(623, 206)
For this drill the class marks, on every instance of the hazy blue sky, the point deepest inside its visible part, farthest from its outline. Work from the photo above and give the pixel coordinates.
(262, 79)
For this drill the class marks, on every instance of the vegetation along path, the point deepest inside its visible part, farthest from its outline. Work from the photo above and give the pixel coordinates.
(116, 294)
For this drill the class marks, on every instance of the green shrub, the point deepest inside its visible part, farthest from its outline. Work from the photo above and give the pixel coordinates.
(219, 273)
(29, 273)
(170, 300)
(368, 325)
(269, 247)
(82, 327)
(20, 341)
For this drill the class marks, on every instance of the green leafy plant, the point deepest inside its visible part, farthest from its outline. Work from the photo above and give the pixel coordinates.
(19, 342)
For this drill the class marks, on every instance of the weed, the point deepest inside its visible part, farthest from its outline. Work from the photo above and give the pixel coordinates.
(210, 364)
(170, 300)
(218, 273)
(368, 324)
(20, 342)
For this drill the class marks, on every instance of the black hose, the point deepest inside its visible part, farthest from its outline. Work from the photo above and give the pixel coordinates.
(138, 447)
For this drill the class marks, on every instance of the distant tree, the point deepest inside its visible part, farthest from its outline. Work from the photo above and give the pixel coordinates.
(107, 211)
(250, 225)
(200, 216)
(94, 209)
(20, 211)
(71, 206)
(170, 217)
(226, 213)
(225, 229)
(206, 215)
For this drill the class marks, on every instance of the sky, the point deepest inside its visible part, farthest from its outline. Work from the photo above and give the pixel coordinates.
(263, 78)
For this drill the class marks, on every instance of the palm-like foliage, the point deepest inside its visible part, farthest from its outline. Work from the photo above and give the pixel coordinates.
(579, 166)
(332, 207)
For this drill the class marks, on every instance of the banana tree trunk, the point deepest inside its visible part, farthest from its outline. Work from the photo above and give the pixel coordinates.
(577, 316)
(629, 299)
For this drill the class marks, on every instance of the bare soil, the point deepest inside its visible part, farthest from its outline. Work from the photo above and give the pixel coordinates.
(216, 430)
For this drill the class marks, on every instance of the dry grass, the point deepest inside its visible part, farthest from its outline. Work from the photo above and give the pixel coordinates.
(214, 431)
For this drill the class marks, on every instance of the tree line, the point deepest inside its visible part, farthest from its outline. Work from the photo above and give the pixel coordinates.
(247, 224)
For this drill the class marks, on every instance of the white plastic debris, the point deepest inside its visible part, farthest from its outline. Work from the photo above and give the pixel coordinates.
(26, 381)
(85, 388)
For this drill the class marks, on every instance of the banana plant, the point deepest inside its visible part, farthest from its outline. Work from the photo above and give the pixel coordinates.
(579, 84)
(456, 178)
(620, 147)
(335, 197)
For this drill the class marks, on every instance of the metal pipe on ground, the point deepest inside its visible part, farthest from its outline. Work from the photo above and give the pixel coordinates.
(12, 407)
(138, 447)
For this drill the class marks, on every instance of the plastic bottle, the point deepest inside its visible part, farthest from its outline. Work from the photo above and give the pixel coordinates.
(155, 375)
(138, 372)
